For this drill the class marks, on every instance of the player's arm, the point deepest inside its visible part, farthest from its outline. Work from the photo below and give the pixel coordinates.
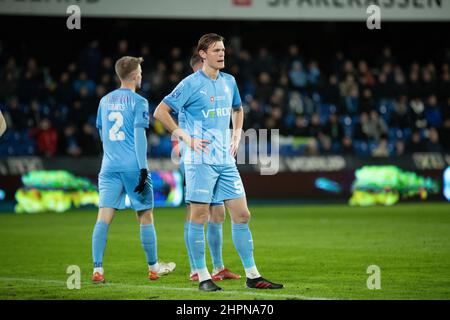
(98, 120)
(162, 113)
(141, 122)
(140, 147)
(237, 119)
(2, 124)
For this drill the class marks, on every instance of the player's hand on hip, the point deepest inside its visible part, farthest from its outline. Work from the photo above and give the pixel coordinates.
(142, 179)
(199, 145)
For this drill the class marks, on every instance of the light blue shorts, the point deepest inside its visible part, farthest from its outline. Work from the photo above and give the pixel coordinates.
(212, 183)
(114, 186)
(182, 170)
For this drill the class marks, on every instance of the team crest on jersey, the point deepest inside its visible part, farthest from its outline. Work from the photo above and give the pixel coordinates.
(211, 99)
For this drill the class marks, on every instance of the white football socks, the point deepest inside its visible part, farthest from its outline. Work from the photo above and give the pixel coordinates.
(252, 273)
(203, 274)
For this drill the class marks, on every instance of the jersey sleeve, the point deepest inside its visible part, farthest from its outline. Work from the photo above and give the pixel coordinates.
(141, 115)
(237, 102)
(178, 97)
(98, 121)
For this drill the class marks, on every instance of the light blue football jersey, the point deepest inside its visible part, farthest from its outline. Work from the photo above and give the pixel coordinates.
(119, 112)
(205, 106)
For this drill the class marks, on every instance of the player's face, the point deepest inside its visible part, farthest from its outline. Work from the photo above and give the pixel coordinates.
(215, 55)
(138, 77)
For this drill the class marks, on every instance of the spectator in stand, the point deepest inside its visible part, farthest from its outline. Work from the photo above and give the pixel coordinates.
(381, 150)
(445, 130)
(32, 82)
(89, 103)
(90, 59)
(313, 76)
(84, 81)
(433, 113)
(400, 147)
(46, 137)
(351, 102)
(400, 117)
(300, 128)
(428, 84)
(16, 115)
(34, 115)
(366, 78)
(64, 92)
(376, 127)
(367, 102)
(433, 144)
(275, 120)
(418, 113)
(293, 55)
(89, 140)
(255, 115)
(264, 88)
(331, 92)
(295, 103)
(400, 85)
(333, 129)
(70, 141)
(107, 67)
(414, 90)
(348, 86)
(416, 144)
(361, 129)
(444, 87)
(347, 145)
(298, 76)
(8, 86)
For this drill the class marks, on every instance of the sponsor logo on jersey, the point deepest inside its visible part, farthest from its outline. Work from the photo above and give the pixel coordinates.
(216, 113)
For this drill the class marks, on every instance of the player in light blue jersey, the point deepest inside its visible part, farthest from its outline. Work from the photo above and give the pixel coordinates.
(211, 100)
(122, 118)
(216, 214)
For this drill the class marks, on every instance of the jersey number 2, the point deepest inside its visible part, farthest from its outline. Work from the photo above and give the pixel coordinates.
(114, 133)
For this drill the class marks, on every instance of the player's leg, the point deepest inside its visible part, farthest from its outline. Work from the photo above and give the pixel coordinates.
(214, 235)
(99, 238)
(111, 196)
(200, 181)
(243, 241)
(143, 205)
(193, 276)
(231, 190)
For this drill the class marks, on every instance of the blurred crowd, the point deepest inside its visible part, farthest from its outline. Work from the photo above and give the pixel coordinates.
(344, 106)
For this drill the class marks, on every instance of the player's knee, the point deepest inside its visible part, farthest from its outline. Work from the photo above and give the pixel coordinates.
(217, 214)
(145, 217)
(242, 217)
(200, 217)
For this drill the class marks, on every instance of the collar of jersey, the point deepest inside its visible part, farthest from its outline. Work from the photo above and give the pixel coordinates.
(206, 76)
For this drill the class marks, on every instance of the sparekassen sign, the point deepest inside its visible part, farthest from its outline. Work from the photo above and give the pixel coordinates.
(320, 10)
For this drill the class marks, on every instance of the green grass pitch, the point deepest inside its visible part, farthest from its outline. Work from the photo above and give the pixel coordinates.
(317, 251)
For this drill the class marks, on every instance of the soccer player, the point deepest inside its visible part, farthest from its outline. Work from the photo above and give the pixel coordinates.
(122, 118)
(2, 124)
(210, 99)
(216, 215)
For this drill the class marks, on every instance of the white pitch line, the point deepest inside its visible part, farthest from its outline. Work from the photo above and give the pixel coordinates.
(120, 285)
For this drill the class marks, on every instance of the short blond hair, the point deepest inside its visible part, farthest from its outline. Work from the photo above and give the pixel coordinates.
(125, 66)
